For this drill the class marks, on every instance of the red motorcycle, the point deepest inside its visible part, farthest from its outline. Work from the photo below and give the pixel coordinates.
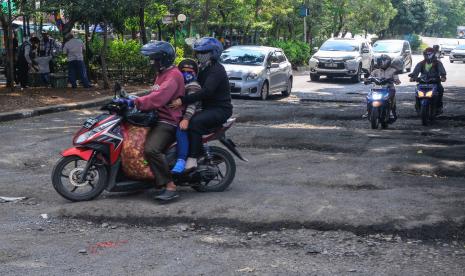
(104, 157)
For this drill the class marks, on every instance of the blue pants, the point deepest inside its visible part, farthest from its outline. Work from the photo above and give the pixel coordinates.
(76, 67)
(182, 145)
(45, 78)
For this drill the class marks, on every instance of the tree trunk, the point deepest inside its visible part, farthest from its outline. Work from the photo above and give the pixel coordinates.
(8, 37)
(134, 33)
(206, 17)
(143, 33)
(258, 4)
(159, 31)
(103, 54)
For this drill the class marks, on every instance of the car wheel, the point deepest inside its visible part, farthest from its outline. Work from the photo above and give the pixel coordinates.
(358, 78)
(314, 77)
(288, 90)
(265, 91)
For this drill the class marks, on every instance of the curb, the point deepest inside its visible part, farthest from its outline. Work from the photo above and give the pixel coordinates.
(28, 113)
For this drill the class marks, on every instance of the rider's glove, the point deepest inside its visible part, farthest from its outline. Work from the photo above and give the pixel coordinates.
(128, 102)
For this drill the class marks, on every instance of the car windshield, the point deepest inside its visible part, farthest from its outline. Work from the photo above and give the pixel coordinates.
(243, 56)
(387, 47)
(343, 46)
(461, 47)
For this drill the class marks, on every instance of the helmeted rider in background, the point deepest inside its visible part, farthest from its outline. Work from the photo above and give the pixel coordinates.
(431, 68)
(385, 69)
(215, 96)
(169, 85)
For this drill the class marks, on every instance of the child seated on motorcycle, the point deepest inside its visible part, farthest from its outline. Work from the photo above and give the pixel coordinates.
(386, 70)
(189, 70)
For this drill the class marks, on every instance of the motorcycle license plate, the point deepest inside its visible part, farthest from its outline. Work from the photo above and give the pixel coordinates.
(89, 123)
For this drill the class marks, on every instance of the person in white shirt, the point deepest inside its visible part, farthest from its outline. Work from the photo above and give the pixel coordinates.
(74, 48)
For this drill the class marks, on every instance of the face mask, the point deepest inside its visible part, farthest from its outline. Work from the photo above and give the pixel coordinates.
(188, 77)
(156, 65)
(203, 59)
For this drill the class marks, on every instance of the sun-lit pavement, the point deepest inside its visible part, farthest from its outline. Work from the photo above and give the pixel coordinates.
(314, 165)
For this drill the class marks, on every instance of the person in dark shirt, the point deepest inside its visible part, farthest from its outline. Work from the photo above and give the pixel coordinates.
(431, 68)
(215, 96)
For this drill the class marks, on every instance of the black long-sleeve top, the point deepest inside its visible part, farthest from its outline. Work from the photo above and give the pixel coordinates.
(215, 92)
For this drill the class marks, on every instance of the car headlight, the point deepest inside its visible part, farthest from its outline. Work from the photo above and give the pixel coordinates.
(252, 76)
(315, 60)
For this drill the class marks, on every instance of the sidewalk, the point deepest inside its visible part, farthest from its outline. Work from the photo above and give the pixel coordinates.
(39, 101)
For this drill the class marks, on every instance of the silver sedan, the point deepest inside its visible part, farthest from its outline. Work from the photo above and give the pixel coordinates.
(257, 71)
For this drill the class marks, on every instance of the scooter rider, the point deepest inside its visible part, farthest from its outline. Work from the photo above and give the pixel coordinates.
(214, 95)
(385, 69)
(169, 85)
(431, 68)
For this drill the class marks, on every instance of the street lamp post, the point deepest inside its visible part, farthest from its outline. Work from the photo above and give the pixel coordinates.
(181, 18)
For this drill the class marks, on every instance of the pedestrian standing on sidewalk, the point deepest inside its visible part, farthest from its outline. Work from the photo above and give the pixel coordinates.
(26, 55)
(74, 48)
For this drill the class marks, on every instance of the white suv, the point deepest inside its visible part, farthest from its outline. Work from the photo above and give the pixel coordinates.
(342, 57)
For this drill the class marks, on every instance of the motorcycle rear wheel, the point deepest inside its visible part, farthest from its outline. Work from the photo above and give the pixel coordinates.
(67, 183)
(224, 177)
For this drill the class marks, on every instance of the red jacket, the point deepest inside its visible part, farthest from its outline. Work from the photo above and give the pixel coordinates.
(169, 86)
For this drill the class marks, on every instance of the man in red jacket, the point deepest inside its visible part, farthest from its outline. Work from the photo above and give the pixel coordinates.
(169, 85)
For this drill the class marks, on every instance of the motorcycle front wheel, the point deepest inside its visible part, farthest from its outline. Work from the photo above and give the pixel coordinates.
(225, 164)
(66, 179)
(425, 114)
(374, 117)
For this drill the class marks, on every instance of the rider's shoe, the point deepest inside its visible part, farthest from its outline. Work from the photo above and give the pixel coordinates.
(179, 167)
(167, 195)
(392, 118)
(191, 164)
(364, 116)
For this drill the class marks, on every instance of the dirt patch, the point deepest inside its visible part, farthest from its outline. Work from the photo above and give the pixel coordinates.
(41, 97)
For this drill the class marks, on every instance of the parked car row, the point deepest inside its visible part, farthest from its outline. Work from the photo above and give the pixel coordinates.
(344, 57)
(259, 71)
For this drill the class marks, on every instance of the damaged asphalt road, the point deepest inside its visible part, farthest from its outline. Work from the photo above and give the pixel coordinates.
(315, 169)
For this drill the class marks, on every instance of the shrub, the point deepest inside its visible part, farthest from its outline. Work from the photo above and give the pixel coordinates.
(126, 54)
(297, 52)
(415, 41)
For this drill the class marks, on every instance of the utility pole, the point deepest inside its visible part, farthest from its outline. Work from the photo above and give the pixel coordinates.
(305, 29)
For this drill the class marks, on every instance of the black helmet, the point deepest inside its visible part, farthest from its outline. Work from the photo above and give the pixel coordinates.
(383, 61)
(160, 51)
(190, 65)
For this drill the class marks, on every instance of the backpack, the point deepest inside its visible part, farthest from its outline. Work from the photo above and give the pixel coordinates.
(22, 51)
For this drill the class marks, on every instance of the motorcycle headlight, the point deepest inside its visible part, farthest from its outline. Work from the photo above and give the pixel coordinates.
(377, 96)
(429, 94)
(83, 137)
(421, 94)
(252, 76)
